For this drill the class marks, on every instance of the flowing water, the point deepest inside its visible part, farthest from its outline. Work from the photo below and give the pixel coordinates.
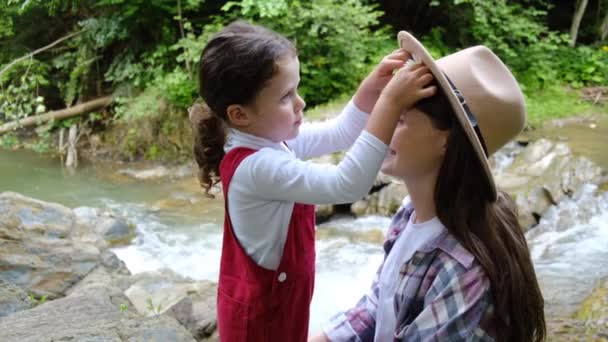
(178, 228)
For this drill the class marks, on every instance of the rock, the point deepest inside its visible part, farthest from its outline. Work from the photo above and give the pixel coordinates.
(160, 171)
(166, 293)
(45, 248)
(95, 316)
(103, 278)
(563, 329)
(37, 251)
(390, 198)
(156, 172)
(384, 202)
(543, 174)
(12, 299)
(324, 212)
(594, 310)
(115, 231)
(21, 216)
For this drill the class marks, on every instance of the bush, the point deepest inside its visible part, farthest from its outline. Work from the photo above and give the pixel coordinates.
(583, 65)
(335, 40)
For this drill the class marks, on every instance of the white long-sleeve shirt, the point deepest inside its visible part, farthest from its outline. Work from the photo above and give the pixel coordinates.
(266, 184)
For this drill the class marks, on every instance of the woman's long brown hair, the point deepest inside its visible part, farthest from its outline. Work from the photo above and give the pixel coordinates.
(487, 228)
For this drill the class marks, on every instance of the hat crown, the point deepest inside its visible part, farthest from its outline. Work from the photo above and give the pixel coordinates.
(490, 91)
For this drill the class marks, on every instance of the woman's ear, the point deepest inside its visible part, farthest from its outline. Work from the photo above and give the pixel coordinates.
(238, 115)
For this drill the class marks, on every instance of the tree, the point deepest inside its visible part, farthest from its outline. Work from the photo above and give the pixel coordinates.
(604, 26)
(581, 5)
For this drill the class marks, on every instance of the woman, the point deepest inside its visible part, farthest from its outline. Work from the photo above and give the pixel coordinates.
(457, 265)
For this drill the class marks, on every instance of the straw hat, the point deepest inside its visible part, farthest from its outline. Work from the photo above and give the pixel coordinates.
(482, 92)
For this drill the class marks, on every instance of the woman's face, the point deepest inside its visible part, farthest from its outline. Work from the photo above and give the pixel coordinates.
(417, 147)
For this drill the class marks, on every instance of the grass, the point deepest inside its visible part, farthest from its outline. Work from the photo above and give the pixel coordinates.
(559, 102)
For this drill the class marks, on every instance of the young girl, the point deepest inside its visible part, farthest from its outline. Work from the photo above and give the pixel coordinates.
(457, 266)
(248, 79)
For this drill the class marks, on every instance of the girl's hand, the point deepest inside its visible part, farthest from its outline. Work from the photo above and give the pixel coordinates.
(408, 86)
(372, 85)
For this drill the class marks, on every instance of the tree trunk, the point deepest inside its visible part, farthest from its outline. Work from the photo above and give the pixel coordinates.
(581, 5)
(80, 109)
(72, 158)
(604, 27)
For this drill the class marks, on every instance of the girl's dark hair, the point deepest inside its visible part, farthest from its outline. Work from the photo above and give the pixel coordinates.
(487, 228)
(234, 66)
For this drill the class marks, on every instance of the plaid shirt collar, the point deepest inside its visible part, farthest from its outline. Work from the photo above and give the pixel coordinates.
(444, 241)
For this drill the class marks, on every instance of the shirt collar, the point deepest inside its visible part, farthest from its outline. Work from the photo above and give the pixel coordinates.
(237, 138)
(445, 241)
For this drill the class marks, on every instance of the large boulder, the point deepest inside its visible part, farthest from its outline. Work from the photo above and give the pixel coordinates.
(542, 175)
(42, 247)
(95, 316)
(164, 292)
(48, 251)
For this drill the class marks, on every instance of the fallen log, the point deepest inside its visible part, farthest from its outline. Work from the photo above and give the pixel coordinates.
(79, 109)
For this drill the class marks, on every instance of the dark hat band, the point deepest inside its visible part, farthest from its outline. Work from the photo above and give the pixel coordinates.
(469, 114)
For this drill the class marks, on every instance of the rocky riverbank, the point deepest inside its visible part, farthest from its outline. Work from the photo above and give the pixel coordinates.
(60, 282)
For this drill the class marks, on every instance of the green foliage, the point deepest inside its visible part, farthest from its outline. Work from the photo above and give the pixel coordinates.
(517, 35)
(8, 141)
(153, 152)
(583, 65)
(155, 309)
(37, 301)
(20, 89)
(434, 43)
(517, 32)
(44, 143)
(146, 104)
(335, 54)
(178, 88)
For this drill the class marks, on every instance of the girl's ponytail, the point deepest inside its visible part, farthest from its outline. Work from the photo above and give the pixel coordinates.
(209, 132)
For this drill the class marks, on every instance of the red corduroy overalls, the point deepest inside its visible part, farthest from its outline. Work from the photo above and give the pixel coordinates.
(257, 304)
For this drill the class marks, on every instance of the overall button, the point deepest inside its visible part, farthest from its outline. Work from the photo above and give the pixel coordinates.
(282, 276)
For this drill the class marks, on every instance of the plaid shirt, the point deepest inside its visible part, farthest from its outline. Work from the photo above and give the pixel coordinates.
(443, 294)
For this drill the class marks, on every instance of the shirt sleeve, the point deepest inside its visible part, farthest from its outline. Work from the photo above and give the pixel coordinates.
(277, 175)
(337, 134)
(359, 323)
(453, 308)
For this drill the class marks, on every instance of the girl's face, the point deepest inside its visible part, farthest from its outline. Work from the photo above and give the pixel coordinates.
(417, 147)
(277, 111)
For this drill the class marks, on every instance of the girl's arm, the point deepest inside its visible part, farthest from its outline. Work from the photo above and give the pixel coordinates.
(338, 134)
(275, 175)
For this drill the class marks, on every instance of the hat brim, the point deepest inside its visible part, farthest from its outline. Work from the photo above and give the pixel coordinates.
(410, 44)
